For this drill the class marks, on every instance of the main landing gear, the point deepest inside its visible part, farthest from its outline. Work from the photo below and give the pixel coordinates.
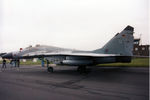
(50, 69)
(82, 69)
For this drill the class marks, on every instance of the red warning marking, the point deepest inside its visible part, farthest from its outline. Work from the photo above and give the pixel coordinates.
(123, 35)
(21, 49)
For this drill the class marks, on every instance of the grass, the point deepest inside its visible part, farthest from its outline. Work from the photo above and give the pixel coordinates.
(28, 62)
(136, 62)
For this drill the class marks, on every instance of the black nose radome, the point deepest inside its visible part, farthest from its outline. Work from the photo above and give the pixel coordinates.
(7, 56)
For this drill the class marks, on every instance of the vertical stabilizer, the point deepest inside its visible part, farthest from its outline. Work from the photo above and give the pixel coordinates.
(121, 43)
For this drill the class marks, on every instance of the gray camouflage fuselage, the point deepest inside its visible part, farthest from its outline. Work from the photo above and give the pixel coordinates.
(118, 49)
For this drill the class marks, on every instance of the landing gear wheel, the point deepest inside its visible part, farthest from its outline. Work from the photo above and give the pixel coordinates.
(81, 69)
(50, 69)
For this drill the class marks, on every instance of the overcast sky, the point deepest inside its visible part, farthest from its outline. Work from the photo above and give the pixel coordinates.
(76, 24)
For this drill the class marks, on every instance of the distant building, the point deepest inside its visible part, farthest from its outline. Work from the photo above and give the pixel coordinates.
(35, 60)
(24, 60)
(140, 50)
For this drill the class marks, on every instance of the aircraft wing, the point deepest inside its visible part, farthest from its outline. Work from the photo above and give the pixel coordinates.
(77, 59)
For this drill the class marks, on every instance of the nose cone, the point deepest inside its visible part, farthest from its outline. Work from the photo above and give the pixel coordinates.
(7, 56)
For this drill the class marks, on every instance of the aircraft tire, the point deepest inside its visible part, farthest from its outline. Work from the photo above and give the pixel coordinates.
(81, 69)
(50, 69)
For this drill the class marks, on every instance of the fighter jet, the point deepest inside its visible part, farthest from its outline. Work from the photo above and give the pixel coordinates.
(118, 49)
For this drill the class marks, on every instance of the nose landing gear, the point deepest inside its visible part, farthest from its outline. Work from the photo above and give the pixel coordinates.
(50, 69)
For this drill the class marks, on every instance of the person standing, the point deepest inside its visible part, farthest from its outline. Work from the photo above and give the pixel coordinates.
(47, 63)
(15, 61)
(42, 62)
(4, 63)
(18, 63)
